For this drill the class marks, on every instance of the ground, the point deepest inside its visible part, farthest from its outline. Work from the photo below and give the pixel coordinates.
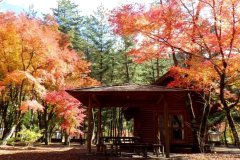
(78, 152)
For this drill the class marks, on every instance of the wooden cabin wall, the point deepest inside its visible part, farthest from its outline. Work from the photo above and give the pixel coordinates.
(179, 107)
(145, 122)
(144, 125)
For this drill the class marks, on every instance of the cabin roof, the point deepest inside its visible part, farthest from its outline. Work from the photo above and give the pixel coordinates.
(128, 88)
(127, 95)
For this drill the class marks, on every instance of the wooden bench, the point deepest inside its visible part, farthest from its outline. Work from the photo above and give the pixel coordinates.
(116, 144)
(120, 139)
(139, 148)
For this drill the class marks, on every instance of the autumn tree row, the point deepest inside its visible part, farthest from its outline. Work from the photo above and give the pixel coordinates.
(36, 67)
(41, 58)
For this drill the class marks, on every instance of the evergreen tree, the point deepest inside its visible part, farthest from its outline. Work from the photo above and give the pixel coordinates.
(128, 71)
(98, 35)
(69, 20)
(31, 12)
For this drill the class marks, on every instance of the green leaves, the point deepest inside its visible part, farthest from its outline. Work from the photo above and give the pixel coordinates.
(70, 21)
(29, 136)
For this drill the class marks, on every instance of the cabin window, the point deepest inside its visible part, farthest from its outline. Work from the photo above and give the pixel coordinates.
(177, 127)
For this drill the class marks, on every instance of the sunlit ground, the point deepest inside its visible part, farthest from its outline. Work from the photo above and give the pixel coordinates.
(77, 152)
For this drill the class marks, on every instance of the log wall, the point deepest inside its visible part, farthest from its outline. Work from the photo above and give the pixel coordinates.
(145, 122)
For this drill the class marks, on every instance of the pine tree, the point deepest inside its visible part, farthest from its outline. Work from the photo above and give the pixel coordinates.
(69, 20)
(98, 35)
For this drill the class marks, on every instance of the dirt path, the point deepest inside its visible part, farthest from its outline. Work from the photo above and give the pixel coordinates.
(41, 152)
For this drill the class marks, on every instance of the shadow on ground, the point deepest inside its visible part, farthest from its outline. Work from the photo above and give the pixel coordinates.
(58, 152)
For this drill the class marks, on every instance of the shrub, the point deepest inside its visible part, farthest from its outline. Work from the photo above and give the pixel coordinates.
(11, 141)
(29, 136)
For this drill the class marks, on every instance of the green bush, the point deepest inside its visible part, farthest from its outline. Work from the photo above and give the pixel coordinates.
(12, 141)
(29, 136)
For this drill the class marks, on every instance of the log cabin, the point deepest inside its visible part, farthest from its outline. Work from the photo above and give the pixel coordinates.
(161, 115)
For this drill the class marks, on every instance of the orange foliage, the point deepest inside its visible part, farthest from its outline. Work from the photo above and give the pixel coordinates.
(68, 108)
(35, 59)
(208, 30)
(31, 105)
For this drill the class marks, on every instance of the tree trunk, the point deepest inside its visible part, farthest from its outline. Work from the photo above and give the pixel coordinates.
(112, 72)
(46, 126)
(225, 135)
(226, 107)
(101, 68)
(90, 126)
(120, 122)
(66, 139)
(99, 127)
(196, 144)
(233, 127)
(153, 71)
(94, 128)
(47, 137)
(5, 121)
(158, 68)
(175, 61)
(127, 80)
(115, 123)
(203, 127)
(32, 118)
(9, 135)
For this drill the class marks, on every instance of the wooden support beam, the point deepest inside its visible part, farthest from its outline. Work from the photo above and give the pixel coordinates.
(158, 133)
(90, 125)
(96, 101)
(99, 129)
(166, 128)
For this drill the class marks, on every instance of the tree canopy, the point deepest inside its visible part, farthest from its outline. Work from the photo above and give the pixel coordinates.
(36, 67)
(205, 34)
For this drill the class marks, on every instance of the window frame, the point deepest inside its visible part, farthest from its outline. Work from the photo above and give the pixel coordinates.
(182, 128)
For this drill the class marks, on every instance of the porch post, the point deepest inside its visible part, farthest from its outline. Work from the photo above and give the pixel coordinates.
(90, 124)
(99, 128)
(166, 127)
(158, 136)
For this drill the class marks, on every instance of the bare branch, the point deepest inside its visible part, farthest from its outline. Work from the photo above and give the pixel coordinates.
(236, 102)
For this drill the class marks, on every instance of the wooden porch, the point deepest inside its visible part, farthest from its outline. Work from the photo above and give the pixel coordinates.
(140, 96)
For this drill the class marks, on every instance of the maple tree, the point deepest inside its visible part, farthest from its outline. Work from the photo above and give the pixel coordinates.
(36, 60)
(205, 35)
(68, 108)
